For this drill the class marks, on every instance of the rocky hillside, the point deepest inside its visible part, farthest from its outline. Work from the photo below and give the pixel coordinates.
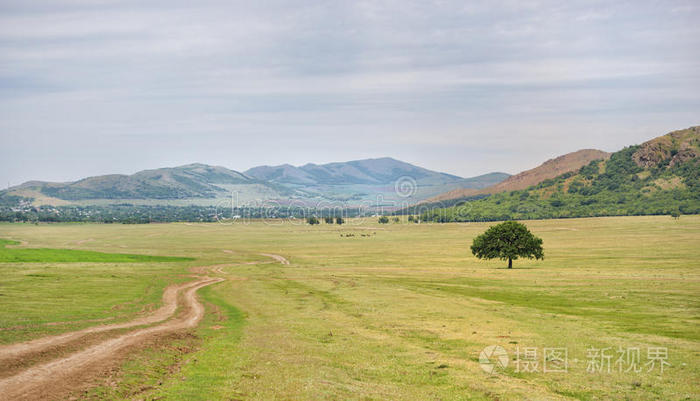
(672, 149)
(660, 176)
(547, 170)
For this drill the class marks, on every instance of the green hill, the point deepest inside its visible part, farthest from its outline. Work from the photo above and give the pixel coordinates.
(661, 176)
(190, 181)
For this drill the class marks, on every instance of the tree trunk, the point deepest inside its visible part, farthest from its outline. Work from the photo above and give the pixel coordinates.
(510, 263)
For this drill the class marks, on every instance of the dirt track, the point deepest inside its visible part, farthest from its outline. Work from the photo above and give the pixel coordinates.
(53, 378)
(278, 258)
(13, 351)
(35, 382)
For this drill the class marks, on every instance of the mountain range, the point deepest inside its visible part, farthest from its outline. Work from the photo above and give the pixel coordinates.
(200, 184)
(657, 176)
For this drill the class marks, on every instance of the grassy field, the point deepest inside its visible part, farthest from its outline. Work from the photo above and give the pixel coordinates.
(398, 311)
(70, 255)
(48, 291)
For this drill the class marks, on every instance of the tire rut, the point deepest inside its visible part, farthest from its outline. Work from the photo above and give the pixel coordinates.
(168, 308)
(36, 381)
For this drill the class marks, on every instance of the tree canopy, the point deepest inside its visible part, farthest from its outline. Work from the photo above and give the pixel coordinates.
(508, 241)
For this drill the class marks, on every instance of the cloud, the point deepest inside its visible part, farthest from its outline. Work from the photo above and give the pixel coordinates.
(175, 82)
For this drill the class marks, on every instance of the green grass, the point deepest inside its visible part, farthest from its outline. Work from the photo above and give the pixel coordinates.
(147, 376)
(631, 312)
(48, 291)
(400, 315)
(42, 299)
(221, 349)
(70, 255)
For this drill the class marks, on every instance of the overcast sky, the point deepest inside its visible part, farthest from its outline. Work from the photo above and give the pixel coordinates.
(101, 86)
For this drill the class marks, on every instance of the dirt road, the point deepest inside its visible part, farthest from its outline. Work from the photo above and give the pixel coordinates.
(169, 306)
(37, 382)
(52, 378)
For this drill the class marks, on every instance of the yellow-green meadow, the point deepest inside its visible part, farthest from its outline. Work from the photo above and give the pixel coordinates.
(396, 311)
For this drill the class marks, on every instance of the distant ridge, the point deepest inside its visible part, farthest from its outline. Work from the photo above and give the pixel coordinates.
(383, 170)
(547, 170)
(188, 181)
(197, 183)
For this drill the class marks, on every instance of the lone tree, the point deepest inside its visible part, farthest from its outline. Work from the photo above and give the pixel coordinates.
(507, 241)
(312, 220)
